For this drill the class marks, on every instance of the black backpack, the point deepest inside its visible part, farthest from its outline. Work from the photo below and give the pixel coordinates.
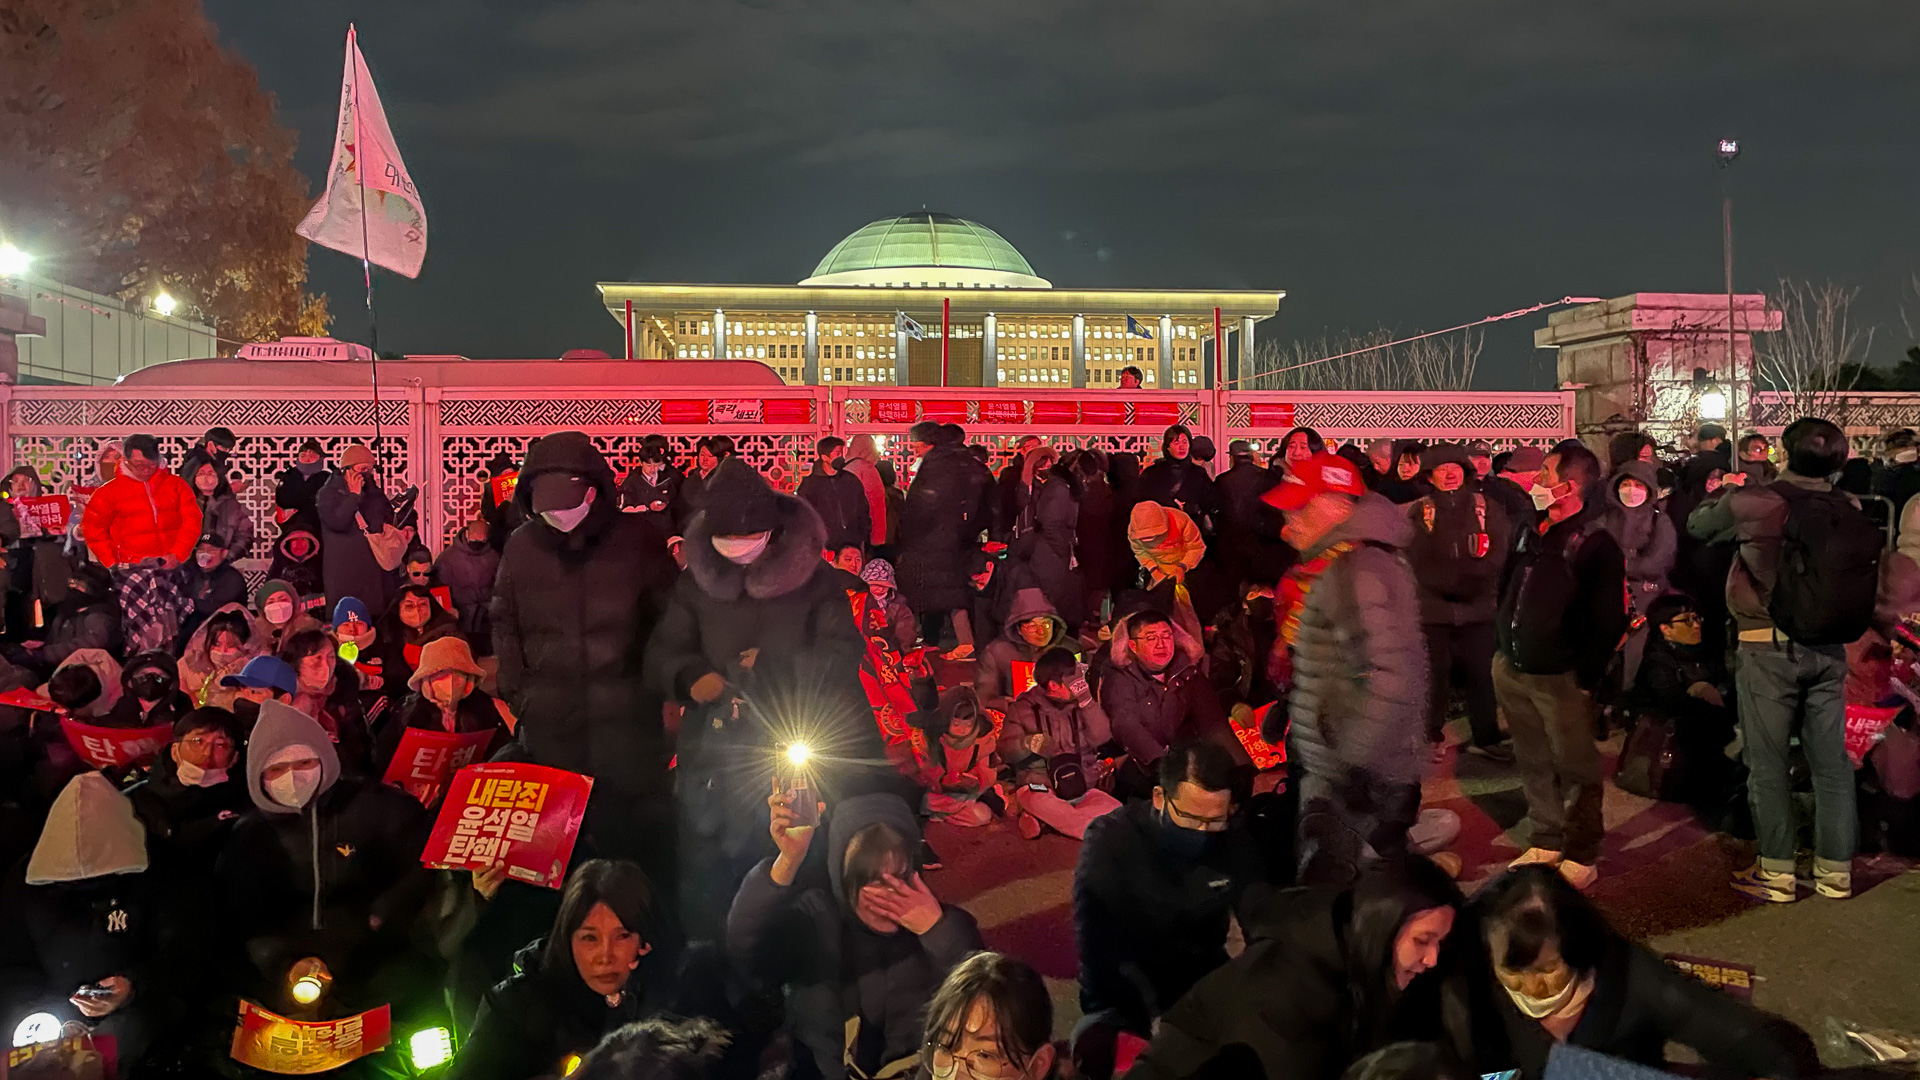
(1828, 575)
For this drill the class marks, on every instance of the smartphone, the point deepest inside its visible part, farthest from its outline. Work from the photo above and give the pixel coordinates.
(801, 799)
(93, 991)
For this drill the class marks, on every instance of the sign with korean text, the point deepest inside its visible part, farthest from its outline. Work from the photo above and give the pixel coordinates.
(113, 748)
(1865, 725)
(525, 817)
(890, 411)
(1022, 677)
(1103, 412)
(1271, 413)
(503, 486)
(737, 411)
(1735, 979)
(69, 1055)
(275, 1044)
(1156, 413)
(1003, 412)
(49, 512)
(427, 759)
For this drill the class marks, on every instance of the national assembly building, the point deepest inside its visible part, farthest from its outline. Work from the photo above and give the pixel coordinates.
(879, 307)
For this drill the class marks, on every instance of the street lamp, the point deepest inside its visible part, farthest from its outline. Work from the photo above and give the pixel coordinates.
(165, 304)
(1708, 399)
(13, 261)
(1726, 153)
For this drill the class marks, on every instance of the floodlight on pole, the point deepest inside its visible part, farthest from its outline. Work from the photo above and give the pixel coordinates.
(165, 304)
(13, 261)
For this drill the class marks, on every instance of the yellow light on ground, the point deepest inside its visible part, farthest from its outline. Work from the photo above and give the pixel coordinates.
(165, 303)
(799, 752)
(430, 1047)
(571, 1065)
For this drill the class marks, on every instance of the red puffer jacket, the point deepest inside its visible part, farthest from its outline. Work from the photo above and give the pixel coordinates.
(127, 521)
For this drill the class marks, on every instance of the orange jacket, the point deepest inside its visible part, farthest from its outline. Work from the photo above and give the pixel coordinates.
(127, 521)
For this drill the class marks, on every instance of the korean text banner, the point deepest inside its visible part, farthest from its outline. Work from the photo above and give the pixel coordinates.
(525, 817)
(276, 1044)
(426, 759)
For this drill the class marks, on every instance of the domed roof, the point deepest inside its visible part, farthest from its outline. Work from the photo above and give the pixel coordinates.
(902, 251)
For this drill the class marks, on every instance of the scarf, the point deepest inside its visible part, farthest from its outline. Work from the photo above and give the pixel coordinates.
(1292, 601)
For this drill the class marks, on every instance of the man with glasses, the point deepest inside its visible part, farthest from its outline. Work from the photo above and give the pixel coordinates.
(189, 801)
(1155, 695)
(1151, 895)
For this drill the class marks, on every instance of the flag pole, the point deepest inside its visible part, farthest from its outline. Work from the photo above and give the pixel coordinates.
(946, 331)
(366, 248)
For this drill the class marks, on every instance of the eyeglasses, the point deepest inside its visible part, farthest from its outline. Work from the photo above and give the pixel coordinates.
(1688, 619)
(1203, 824)
(208, 742)
(1154, 639)
(982, 1064)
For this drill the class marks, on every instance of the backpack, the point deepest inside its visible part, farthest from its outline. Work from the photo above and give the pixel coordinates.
(1828, 573)
(1652, 763)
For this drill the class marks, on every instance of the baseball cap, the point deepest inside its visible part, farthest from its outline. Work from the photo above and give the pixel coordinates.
(1526, 459)
(558, 491)
(265, 672)
(1321, 474)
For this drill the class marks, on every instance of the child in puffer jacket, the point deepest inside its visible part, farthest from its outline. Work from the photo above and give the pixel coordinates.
(962, 775)
(903, 630)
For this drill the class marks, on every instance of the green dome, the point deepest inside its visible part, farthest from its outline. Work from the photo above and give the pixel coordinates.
(883, 252)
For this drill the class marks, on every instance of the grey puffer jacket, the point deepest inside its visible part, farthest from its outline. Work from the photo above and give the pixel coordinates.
(1359, 661)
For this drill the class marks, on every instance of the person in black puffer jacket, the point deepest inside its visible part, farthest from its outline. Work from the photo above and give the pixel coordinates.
(838, 497)
(152, 684)
(1042, 540)
(1177, 480)
(89, 618)
(298, 488)
(608, 961)
(652, 487)
(192, 796)
(759, 642)
(949, 505)
(467, 568)
(1461, 538)
(580, 589)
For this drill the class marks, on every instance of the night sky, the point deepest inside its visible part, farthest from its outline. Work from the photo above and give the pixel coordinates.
(1402, 163)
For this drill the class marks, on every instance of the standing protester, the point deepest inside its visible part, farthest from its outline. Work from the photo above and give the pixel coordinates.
(1513, 488)
(1562, 614)
(580, 589)
(1130, 378)
(1647, 544)
(221, 514)
(708, 453)
(1900, 480)
(1096, 550)
(1756, 458)
(143, 524)
(1460, 543)
(467, 568)
(758, 641)
(295, 496)
(352, 506)
(1357, 672)
(652, 487)
(863, 464)
(1013, 487)
(1296, 445)
(1176, 480)
(837, 496)
(1042, 540)
(947, 509)
(1247, 543)
(1803, 585)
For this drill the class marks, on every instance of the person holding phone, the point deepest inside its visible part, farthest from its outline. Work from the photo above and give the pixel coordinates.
(860, 957)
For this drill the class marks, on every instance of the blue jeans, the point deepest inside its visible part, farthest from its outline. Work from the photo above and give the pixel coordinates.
(1783, 688)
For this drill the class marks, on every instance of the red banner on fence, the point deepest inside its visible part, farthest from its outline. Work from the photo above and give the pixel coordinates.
(890, 411)
(1060, 412)
(684, 411)
(112, 748)
(945, 411)
(1003, 412)
(275, 1044)
(789, 410)
(1157, 413)
(426, 759)
(1103, 412)
(1271, 414)
(503, 486)
(523, 816)
(50, 512)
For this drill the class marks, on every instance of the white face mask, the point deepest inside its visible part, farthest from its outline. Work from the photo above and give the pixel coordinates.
(294, 787)
(278, 611)
(567, 520)
(1572, 995)
(1542, 497)
(1632, 495)
(207, 560)
(194, 776)
(741, 550)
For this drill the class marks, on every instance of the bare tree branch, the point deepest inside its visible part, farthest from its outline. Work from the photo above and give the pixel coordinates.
(1815, 360)
(1437, 363)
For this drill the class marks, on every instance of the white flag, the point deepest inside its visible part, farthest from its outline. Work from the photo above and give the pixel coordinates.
(903, 323)
(367, 171)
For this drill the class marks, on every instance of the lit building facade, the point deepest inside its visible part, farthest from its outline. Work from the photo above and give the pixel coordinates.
(854, 319)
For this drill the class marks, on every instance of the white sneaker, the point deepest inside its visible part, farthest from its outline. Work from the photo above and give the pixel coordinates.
(1774, 887)
(1579, 875)
(1536, 855)
(1832, 883)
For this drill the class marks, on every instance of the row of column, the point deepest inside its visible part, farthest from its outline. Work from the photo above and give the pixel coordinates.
(990, 350)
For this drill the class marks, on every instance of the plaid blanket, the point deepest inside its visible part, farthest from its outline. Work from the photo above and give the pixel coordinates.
(152, 606)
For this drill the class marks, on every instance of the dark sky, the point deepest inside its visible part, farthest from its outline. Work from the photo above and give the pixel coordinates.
(1392, 162)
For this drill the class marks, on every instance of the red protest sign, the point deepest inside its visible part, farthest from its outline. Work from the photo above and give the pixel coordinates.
(83, 1054)
(49, 512)
(1865, 724)
(523, 816)
(945, 410)
(1003, 412)
(22, 698)
(1271, 413)
(891, 411)
(1022, 677)
(1060, 412)
(426, 759)
(1103, 412)
(275, 1044)
(503, 486)
(111, 748)
(444, 594)
(1156, 413)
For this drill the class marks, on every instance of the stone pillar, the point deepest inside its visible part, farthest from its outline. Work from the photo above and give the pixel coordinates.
(719, 334)
(990, 351)
(1630, 361)
(901, 376)
(1243, 374)
(1079, 373)
(1164, 377)
(810, 352)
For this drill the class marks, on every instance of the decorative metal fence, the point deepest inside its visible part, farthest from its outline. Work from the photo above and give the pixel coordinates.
(441, 439)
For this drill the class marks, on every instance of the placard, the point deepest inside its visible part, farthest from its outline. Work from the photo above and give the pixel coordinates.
(1735, 979)
(49, 512)
(111, 747)
(503, 486)
(523, 816)
(1865, 725)
(737, 411)
(426, 759)
(1003, 412)
(892, 411)
(275, 1044)
(1271, 414)
(1022, 677)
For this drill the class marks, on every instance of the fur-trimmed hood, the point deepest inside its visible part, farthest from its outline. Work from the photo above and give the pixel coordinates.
(790, 560)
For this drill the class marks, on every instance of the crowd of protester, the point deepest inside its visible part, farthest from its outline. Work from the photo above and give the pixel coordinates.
(1226, 684)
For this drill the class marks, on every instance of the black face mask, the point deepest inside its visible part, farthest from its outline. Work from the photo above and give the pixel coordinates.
(1184, 844)
(247, 712)
(150, 686)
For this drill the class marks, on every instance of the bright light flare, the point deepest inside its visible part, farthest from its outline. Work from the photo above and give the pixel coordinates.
(14, 263)
(1713, 405)
(799, 753)
(165, 304)
(37, 1028)
(430, 1047)
(308, 980)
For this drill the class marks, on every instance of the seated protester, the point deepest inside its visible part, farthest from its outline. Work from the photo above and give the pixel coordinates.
(210, 582)
(992, 1019)
(446, 697)
(1152, 892)
(1565, 976)
(85, 920)
(467, 568)
(903, 629)
(327, 688)
(193, 794)
(265, 678)
(1052, 741)
(606, 963)
(1330, 974)
(86, 685)
(221, 647)
(326, 866)
(296, 559)
(152, 696)
(279, 615)
(353, 627)
(89, 618)
(1154, 694)
(1238, 644)
(414, 618)
(962, 775)
(1005, 666)
(859, 958)
(1684, 682)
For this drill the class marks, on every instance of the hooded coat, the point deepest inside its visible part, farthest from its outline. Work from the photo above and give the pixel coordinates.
(1150, 712)
(347, 565)
(1458, 576)
(132, 712)
(1249, 545)
(339, 878)
(297, 495)
(276, 635)
(221, 513)
(863, 460)
(1645, 534)
(467, 568)
(1150, 923)
(849, 991)
(1359, 695)
(993, 677)
(200, 676)
(296, 561)
(949, 505)
(85, 620)
(572, 614)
